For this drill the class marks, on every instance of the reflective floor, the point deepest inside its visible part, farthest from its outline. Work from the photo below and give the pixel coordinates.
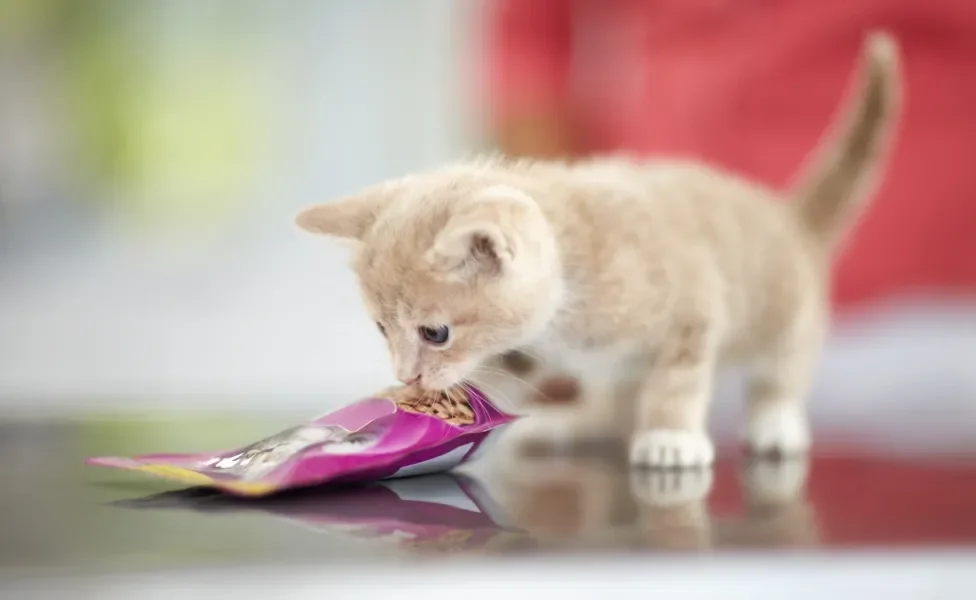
(61, 517)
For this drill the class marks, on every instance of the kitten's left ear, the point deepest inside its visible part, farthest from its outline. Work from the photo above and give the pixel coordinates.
(349, 218)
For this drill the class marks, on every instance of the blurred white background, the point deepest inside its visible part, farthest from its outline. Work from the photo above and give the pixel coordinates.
(193, 299)
(168, 270)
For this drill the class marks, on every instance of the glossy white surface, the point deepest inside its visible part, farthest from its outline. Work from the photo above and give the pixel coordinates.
(908, 576)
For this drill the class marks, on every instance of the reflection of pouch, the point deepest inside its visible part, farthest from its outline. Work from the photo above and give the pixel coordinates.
(438, 514)
(403, 432)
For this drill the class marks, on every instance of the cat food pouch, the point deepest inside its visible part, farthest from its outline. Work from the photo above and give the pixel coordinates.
(400, 432)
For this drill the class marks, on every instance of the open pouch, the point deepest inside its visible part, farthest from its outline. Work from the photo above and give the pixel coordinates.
(401, 432)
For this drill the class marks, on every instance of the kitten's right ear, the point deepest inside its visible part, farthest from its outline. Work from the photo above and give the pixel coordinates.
(482, 236)
(349, 218)
(463, 249)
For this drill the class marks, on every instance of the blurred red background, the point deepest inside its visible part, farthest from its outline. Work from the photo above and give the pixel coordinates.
(751, 85)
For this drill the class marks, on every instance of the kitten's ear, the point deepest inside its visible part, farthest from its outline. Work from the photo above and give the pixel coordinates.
(466, 249)
(480, 238)
(349, 218)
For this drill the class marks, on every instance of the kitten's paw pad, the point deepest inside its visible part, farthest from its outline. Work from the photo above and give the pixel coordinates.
(781, 429)
(776, 481)
(670, 488)
(671, 448)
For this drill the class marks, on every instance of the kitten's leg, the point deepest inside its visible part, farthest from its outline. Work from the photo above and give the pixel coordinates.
(595, 417)
(673, 401)
(776, 412)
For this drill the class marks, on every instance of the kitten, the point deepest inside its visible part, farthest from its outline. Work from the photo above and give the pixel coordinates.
(660, 271)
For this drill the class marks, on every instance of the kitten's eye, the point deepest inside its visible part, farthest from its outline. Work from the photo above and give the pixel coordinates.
(435, 335)
(381, 328)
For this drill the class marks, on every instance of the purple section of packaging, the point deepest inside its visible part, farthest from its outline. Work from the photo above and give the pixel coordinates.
(369, 440)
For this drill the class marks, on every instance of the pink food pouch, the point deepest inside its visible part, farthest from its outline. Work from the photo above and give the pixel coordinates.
(400, 432)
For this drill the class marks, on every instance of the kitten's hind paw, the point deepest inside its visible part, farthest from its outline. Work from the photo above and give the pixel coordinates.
(671, 448)
(779, 430)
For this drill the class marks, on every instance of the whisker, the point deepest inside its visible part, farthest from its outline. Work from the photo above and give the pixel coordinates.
(452, 402)
(516, 378)
(471, 389)
(494, 386)
(419, 400)
(466, 392)
(499, 397)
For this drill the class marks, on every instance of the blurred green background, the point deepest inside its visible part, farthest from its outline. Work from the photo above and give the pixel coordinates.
(152, 158)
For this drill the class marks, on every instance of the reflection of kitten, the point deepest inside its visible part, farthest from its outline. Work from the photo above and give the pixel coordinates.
(261, 458)
(668, 268)
(586, 503)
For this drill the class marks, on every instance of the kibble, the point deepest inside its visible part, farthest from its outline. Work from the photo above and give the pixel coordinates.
(452, 407)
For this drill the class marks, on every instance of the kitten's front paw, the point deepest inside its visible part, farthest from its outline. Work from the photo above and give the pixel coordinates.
(779, 429)
(671, 448)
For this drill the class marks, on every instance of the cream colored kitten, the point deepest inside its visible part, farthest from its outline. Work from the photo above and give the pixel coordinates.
(661, 271)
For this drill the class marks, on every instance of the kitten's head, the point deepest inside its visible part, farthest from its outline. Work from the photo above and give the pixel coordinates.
(453, 268)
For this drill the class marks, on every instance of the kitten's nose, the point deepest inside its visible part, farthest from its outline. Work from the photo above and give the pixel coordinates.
(410, 380)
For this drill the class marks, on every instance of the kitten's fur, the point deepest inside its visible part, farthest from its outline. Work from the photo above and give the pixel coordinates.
(670, 268)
